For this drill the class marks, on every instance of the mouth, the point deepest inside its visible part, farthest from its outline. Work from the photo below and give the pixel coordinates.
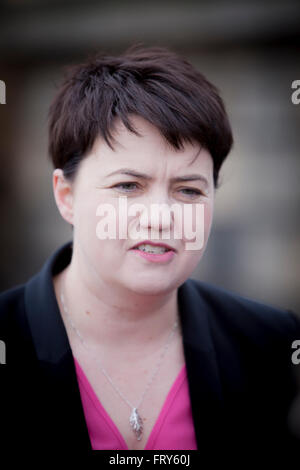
(154, 252)
(150, 247)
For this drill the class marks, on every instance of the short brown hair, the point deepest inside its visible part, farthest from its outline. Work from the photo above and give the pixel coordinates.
(153, 82)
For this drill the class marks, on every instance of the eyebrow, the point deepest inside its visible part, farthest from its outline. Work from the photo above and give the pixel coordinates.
(135, 174)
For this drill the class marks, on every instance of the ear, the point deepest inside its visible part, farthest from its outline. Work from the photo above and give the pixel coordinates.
(63, 193)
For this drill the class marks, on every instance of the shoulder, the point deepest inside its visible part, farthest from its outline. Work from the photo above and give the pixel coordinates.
(14, 328)
(12, 309)
(11, 302)
(242, 314)
(35, 293)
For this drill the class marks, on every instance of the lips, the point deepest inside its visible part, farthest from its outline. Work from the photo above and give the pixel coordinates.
(148, 242)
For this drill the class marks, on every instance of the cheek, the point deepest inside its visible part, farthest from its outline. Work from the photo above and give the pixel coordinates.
(208, 216)
(85, 219)
(194, 247)
(197, 222)
(90, 212)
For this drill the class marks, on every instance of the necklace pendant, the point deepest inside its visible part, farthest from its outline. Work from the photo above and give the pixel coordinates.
(136, 423)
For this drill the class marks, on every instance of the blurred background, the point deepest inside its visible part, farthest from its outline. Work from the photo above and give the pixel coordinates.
(249, 49)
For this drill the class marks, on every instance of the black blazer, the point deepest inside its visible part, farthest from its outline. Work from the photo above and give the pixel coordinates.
(241, 379)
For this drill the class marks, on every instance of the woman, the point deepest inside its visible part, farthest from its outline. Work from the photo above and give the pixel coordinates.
(120, 349)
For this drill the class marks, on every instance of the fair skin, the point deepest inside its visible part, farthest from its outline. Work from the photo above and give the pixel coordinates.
(118, 300)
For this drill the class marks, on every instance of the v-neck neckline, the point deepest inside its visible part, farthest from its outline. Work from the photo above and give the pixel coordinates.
(162, 414)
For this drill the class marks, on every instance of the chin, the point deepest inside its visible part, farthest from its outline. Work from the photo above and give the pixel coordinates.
(152, 288)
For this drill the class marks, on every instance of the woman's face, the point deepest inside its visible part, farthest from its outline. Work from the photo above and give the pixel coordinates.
(112, 260)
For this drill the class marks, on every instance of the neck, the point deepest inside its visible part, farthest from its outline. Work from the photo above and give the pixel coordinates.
(115, 317)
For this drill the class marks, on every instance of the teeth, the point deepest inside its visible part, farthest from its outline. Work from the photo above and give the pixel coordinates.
(152, 249)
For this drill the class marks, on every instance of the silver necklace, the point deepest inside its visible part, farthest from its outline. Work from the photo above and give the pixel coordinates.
(135, 420)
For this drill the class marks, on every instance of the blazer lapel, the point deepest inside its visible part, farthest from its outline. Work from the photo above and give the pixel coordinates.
(202, 367)
(57, 373)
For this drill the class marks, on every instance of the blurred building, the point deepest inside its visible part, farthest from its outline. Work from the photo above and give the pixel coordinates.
(249, 49)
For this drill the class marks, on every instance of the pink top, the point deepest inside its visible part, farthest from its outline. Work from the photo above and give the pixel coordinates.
(173, 430)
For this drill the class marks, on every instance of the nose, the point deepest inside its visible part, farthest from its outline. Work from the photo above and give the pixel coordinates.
(158, 218)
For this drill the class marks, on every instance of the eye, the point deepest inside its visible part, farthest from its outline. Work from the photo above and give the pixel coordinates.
(191, 192)
(123, 186)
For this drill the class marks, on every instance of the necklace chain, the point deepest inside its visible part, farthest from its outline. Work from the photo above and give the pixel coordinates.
(135, 419)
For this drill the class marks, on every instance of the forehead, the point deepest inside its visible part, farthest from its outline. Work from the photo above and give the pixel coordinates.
(149, 151)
